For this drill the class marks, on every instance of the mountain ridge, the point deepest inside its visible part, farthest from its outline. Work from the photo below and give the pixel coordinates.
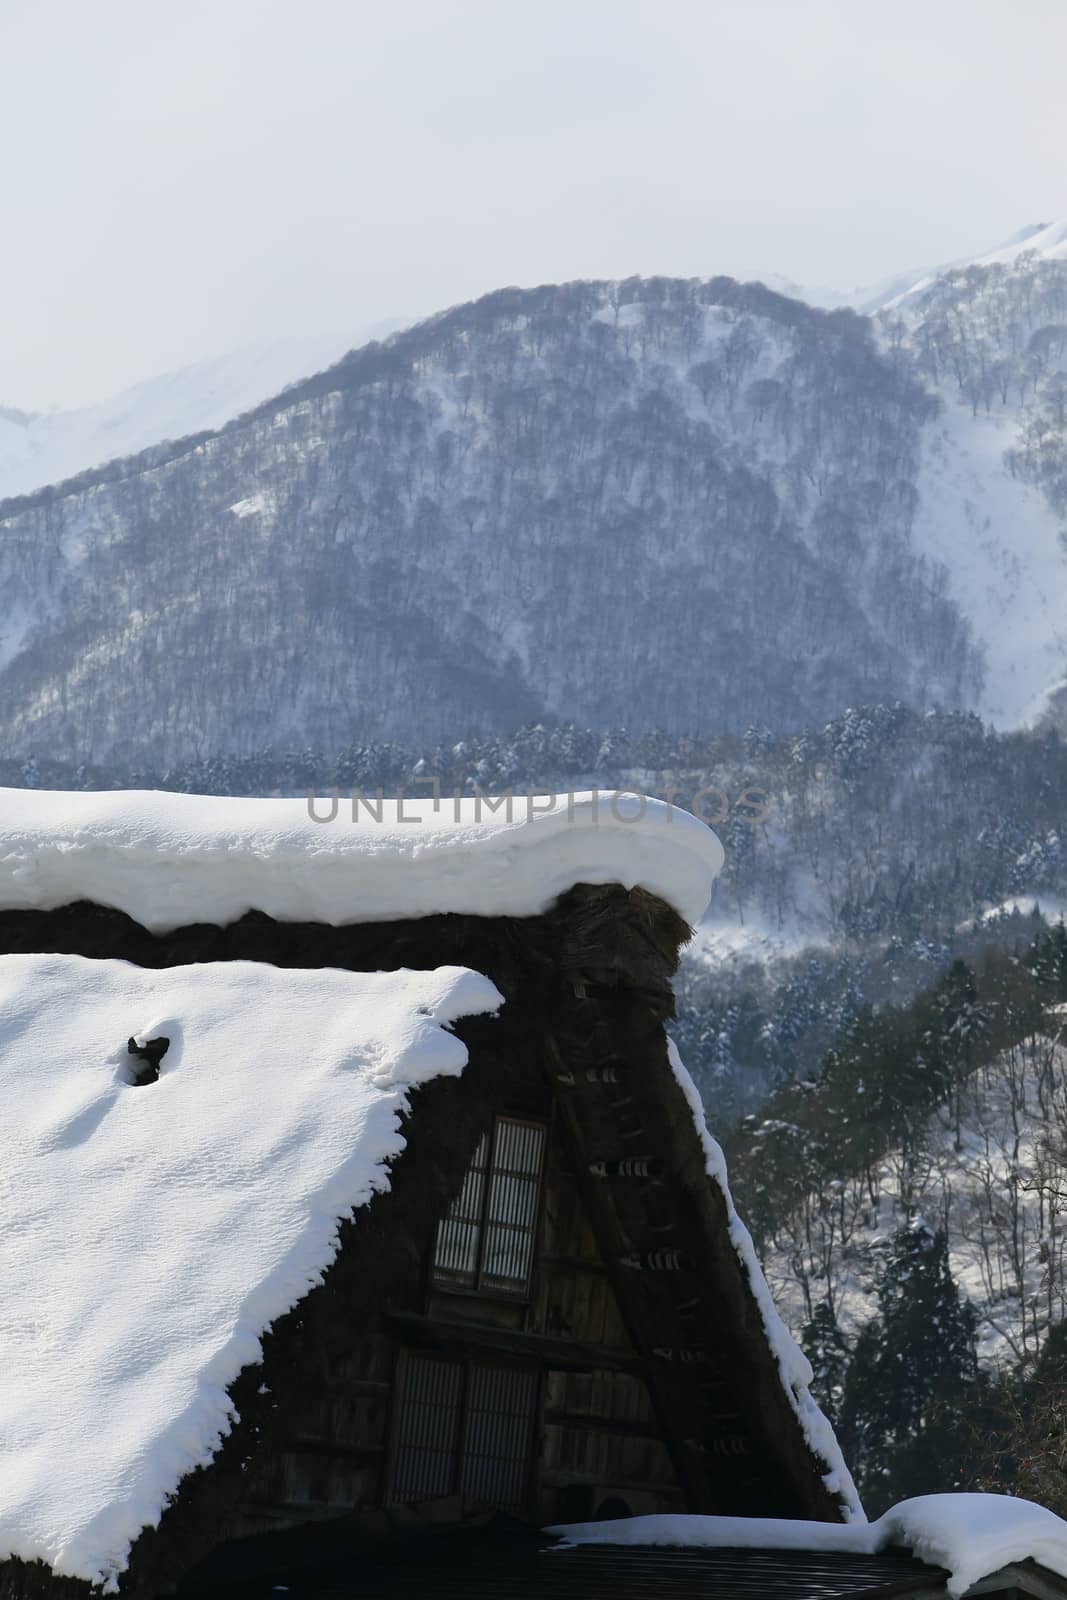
(42, 449)
(815, 480)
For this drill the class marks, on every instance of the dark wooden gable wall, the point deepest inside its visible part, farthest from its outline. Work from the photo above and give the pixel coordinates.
(587, 989)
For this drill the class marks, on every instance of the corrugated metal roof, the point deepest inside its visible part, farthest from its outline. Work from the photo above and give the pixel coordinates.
(634, 1573)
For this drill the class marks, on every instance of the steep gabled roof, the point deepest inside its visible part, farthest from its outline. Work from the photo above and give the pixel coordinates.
(152, 1234)
(300, 1076)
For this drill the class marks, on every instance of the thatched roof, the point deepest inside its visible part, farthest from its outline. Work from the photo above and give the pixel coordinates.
(585, 980)
(154, 1231)
(172, 859)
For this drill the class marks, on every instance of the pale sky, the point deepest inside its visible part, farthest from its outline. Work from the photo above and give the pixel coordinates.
(180, 177)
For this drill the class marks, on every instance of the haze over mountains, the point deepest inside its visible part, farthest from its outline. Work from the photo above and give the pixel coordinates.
(660, 503)
(39, 448)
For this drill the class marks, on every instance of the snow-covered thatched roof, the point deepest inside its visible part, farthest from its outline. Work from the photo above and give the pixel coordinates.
(172, 859)
(155, 1231)
(152, 1234)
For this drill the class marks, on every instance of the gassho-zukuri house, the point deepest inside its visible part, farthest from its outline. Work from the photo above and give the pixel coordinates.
(352, 1195)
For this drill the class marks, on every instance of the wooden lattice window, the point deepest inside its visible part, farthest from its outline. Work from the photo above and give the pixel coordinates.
(463, 1428)
(486, 1242)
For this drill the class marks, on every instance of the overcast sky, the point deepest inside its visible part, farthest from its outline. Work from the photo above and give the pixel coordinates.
(179, 177)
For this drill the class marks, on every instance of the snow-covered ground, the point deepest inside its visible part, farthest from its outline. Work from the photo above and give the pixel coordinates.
(153, 1233)
(729, 938)
(46, 448)
(726, 943)
(1053, 908)
(1002, 546)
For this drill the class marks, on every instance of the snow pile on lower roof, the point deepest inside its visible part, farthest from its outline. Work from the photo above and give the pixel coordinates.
(793, 1365)
(171, 859)
(970, 1535)
(151, 1234)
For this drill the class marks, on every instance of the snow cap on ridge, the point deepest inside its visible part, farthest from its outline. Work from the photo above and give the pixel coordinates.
(970, 1535)
(171, 859)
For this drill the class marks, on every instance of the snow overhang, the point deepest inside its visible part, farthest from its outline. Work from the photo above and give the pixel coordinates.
(168, 860)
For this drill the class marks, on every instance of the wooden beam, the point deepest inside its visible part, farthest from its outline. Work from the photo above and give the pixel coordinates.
(583, 1264)
(620, 1426)
(591, 1122)
(565, 1355)
(305, 1444)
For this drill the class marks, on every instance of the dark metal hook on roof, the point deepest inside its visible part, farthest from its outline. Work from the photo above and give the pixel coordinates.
(151, 1053)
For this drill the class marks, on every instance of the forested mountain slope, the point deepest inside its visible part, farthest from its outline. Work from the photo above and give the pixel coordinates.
(914, 1189)
(991, 340)
(651, 503)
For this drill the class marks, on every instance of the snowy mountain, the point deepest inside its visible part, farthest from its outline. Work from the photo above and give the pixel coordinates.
(1001, 542)
(39, 448)
(990, 337)
(1044, 241)
(655, 503)
(783, 510)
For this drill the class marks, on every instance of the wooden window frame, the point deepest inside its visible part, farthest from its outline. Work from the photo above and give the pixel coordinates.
(461, 1452)
(484, 1283)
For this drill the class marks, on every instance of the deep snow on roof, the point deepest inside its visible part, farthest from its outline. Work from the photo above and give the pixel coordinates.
(151, 1234)
(172, 859)
(970, 1535)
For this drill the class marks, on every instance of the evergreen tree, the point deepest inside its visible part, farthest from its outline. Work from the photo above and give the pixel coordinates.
(912, 1376)
(827, 1349)
(951, 1027)
(1029, 1453)
(1046, 961)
